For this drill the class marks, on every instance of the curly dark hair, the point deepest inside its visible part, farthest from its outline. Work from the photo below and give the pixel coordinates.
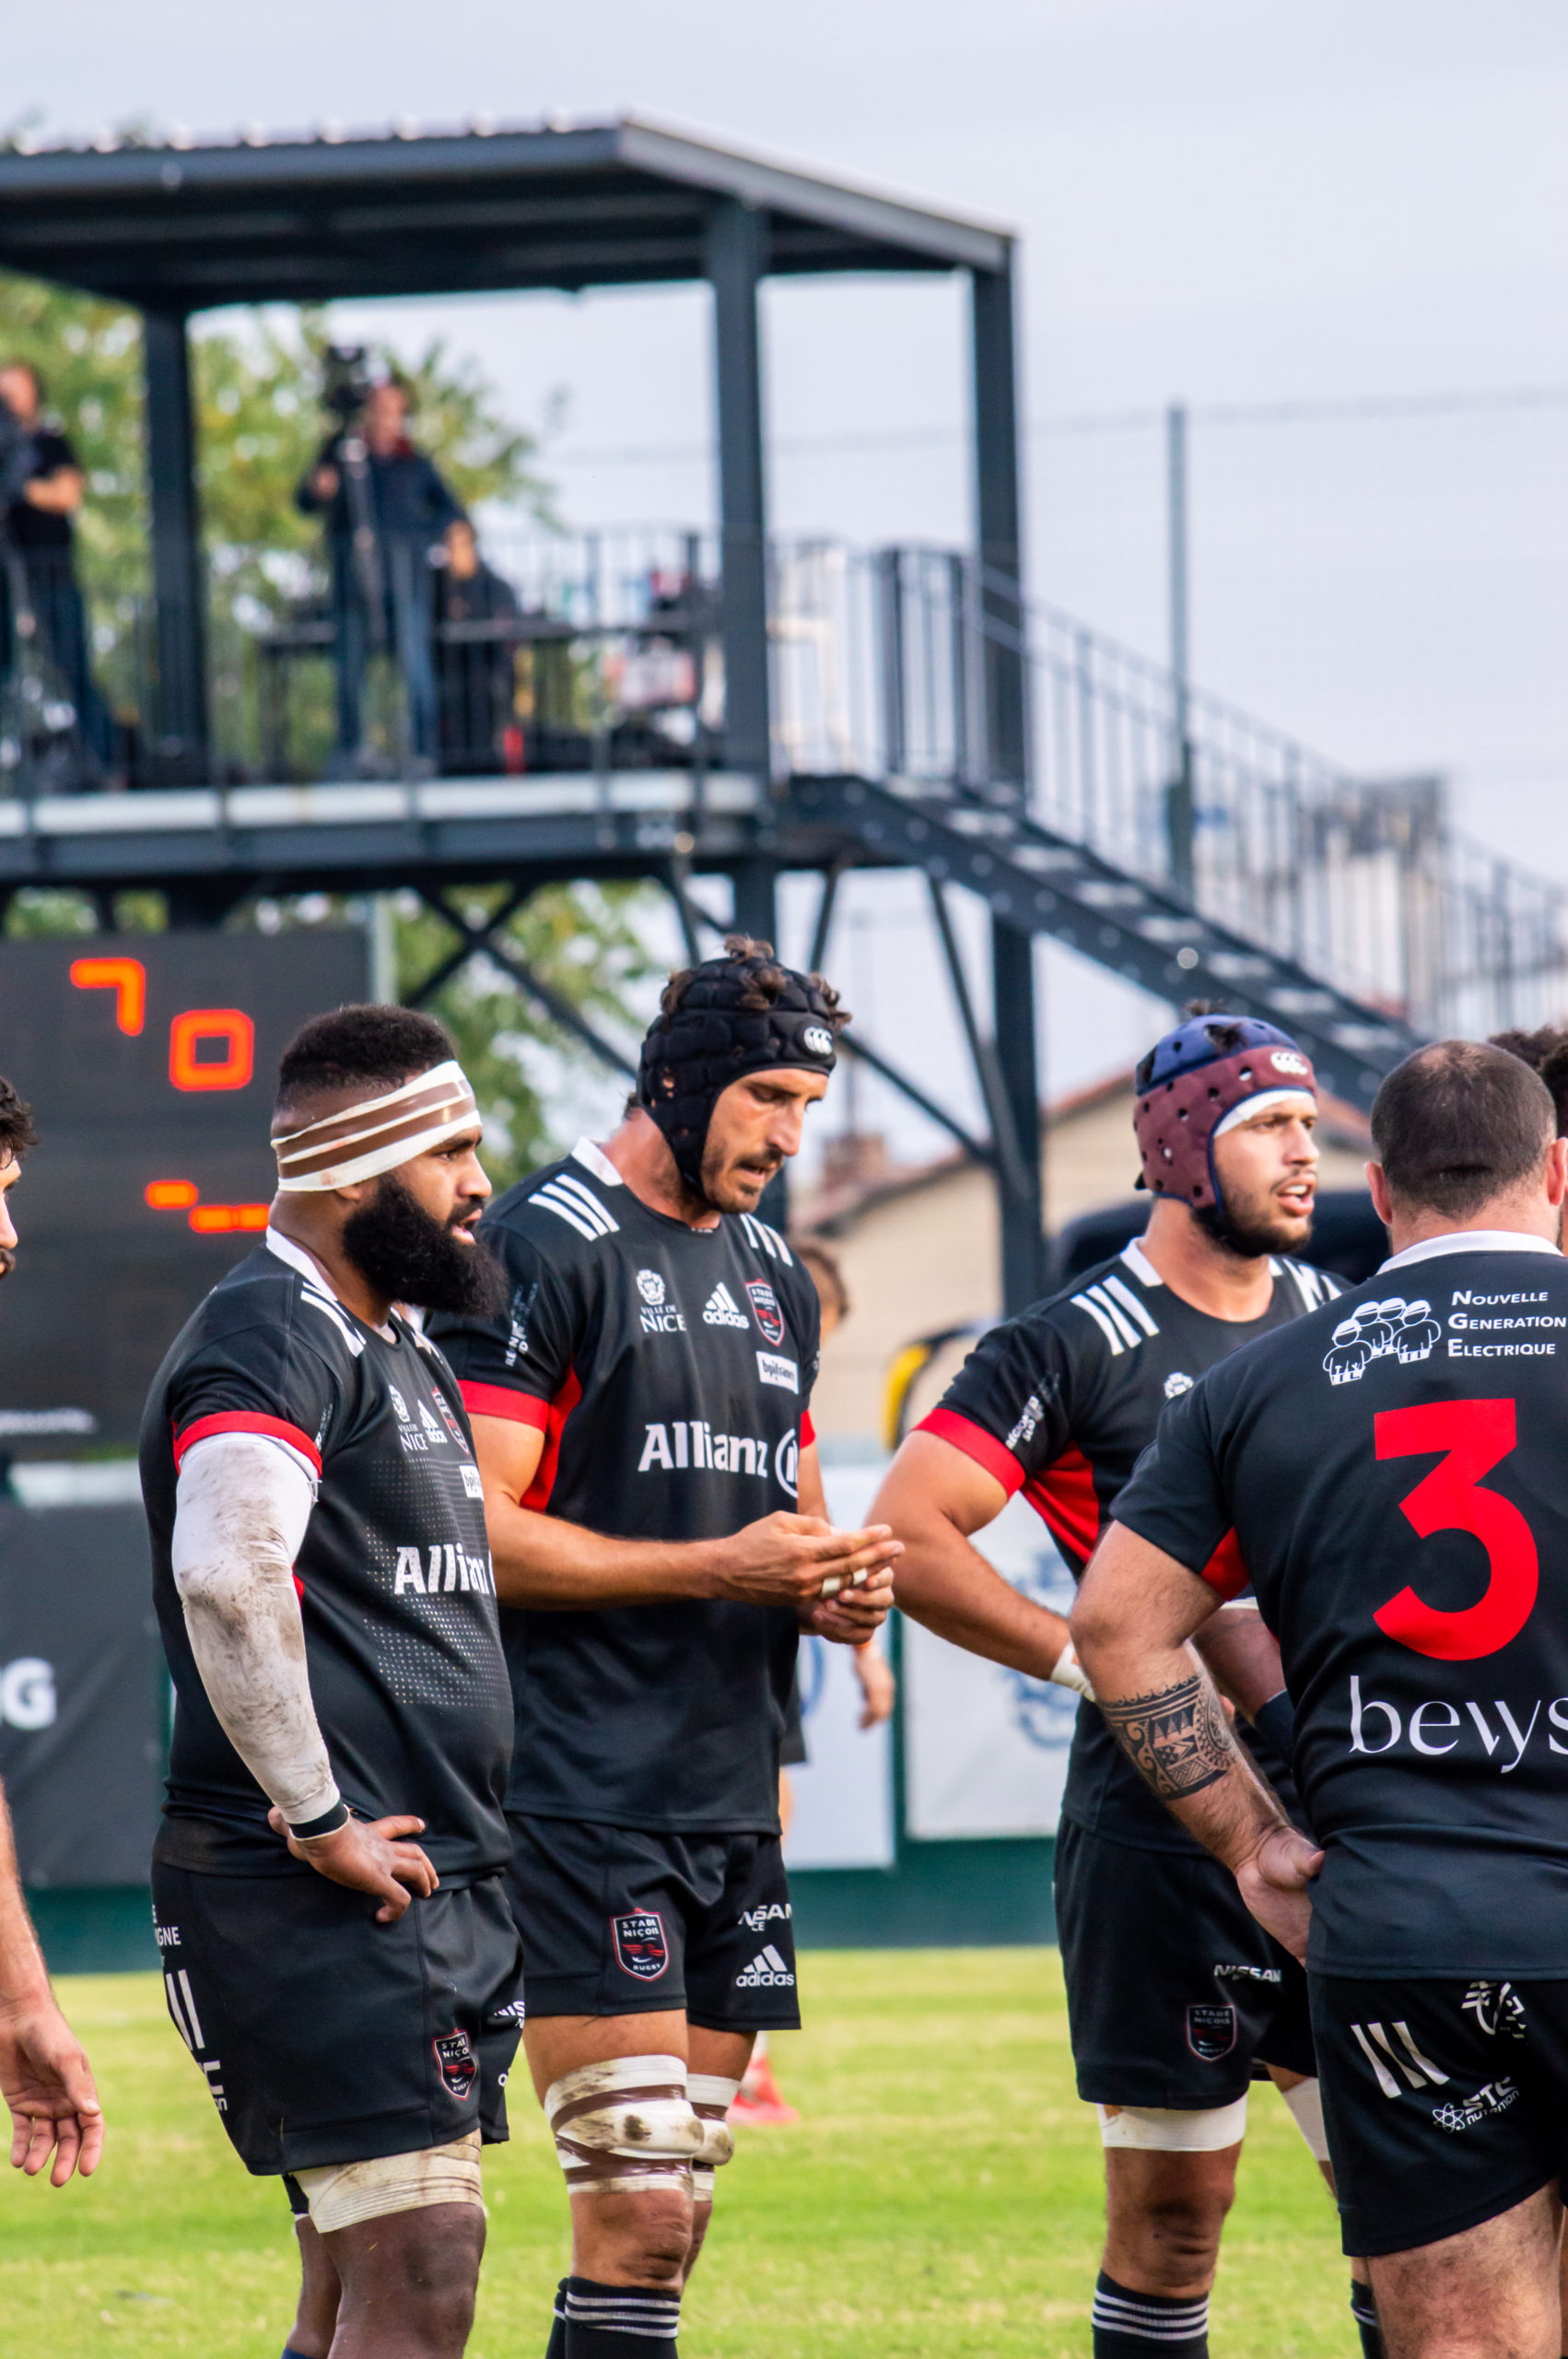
(766, 980)
(1546, 1053)
(353, 1045)
(16, 1129)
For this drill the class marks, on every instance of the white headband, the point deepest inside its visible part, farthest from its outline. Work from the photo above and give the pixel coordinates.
(377, 1135)
(1249, 1107)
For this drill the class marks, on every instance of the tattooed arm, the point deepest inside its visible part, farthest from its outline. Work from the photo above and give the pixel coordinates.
(1133, 1624)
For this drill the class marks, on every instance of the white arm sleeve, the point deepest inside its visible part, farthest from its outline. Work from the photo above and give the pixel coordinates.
(240, 1511)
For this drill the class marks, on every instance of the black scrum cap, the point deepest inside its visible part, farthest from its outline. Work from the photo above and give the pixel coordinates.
(741, 1014)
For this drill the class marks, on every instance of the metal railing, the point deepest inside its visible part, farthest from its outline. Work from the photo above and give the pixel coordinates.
(601, 649)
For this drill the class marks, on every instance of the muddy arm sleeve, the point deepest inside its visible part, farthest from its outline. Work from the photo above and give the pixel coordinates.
(241, 1509)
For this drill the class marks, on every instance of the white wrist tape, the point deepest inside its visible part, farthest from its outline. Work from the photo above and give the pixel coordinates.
(628, 2124)
(1169, 2130)
(1068, 1671)
(241, 1507)
(1305, 2102)
(342, 2194)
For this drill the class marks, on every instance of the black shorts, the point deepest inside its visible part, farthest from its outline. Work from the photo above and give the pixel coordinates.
(1174, 1992)
(326, 2037)
(618, 1921)
(1445, 2103)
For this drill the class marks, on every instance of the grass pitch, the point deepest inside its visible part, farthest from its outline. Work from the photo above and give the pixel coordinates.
(941, 2195)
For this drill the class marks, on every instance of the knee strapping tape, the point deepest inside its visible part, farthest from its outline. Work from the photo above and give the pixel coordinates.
(340, 2194)
(1169, 2130)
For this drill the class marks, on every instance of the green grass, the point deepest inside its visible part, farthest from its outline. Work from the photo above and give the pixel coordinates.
(941, 2195)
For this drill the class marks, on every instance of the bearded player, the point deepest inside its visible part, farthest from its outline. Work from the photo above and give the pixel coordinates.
(660, 1540)
(1173, 1989)
(338, 1952)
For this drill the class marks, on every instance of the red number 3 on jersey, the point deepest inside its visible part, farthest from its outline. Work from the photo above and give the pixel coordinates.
(1473, 1435)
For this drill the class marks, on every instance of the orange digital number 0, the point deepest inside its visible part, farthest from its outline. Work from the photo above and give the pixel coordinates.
(229, 1024)
(1473, 1435)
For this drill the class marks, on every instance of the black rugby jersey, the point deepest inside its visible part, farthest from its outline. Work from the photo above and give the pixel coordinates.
(1060, 1402)
(1395, 1473)
(668, 1368)
(395, 1587)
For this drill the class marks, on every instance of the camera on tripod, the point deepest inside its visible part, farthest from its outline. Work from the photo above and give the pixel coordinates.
(346, 383)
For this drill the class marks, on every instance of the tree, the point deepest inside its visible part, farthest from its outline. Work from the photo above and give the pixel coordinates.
(260, 427)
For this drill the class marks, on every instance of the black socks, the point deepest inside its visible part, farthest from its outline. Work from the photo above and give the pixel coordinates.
(617, 2321)
(556, 2346)
(1363, 2310)
(1146, 2326)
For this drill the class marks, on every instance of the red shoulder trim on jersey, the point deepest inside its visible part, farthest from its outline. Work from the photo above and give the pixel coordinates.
(1224, 1570)
(808, 1431)
(976, 1443)
(1067, 1503)
(504, 1401)
(537, 1495)
(246, 1421)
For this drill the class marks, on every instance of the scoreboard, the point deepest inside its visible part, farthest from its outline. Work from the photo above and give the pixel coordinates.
(150, 1062)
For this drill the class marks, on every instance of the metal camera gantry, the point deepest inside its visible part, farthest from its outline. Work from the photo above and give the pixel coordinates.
(176, 228)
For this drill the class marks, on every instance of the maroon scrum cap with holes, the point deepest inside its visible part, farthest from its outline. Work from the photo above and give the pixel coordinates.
(1210, 1072)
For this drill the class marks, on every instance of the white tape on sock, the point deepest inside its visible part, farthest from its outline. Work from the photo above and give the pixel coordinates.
(1172, 2130)
(340, 2194)
(1305, 2102)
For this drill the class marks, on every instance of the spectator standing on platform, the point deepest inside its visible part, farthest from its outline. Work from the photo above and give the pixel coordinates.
(475, 669)
(380, 548)
(39, 575)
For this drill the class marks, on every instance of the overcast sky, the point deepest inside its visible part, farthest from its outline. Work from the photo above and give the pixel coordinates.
(1221, 203)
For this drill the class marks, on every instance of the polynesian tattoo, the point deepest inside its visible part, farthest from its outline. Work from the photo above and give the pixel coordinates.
(1177, 1740)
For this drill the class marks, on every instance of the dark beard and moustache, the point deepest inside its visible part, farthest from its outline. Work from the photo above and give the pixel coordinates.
(1251, 1240)
(7, 1261)
(399, 1251)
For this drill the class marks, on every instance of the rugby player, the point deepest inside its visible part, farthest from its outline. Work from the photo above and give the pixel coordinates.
(660, 1540)
(1392, 1471)
(324, 1592)
(45, 2076)
(1171, 1990)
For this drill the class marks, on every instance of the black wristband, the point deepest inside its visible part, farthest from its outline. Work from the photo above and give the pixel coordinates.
(1276, 1722)
(328, 1822)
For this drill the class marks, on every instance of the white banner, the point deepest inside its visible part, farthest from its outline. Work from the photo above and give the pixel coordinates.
(844, 1793)
(985, 1749)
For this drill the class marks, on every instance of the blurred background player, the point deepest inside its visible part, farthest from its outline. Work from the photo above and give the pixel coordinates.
(39, 588)
(1173, 1992)
(326, 1604)
(660, 1540)
(44, 2077)
(759, 2099)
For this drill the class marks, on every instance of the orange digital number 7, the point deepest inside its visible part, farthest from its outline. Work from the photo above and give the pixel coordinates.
(1473, 1435)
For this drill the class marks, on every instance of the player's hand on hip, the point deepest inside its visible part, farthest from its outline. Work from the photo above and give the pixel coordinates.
(48, 2085)
(855, 1613)
(368, 1855)
(1274, 1880)
(794, 1560)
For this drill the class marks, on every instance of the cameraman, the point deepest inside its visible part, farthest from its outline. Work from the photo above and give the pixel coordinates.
(40, 575)
(384, 504)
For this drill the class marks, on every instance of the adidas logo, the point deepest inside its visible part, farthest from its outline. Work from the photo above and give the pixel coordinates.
(721, 1310)
(1417, 2069)
(767, 1971)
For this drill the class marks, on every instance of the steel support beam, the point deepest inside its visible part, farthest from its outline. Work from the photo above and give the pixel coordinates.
(757, 914)
(736, 258)
(998, 521)
(1021, 1203)
(181, 737)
